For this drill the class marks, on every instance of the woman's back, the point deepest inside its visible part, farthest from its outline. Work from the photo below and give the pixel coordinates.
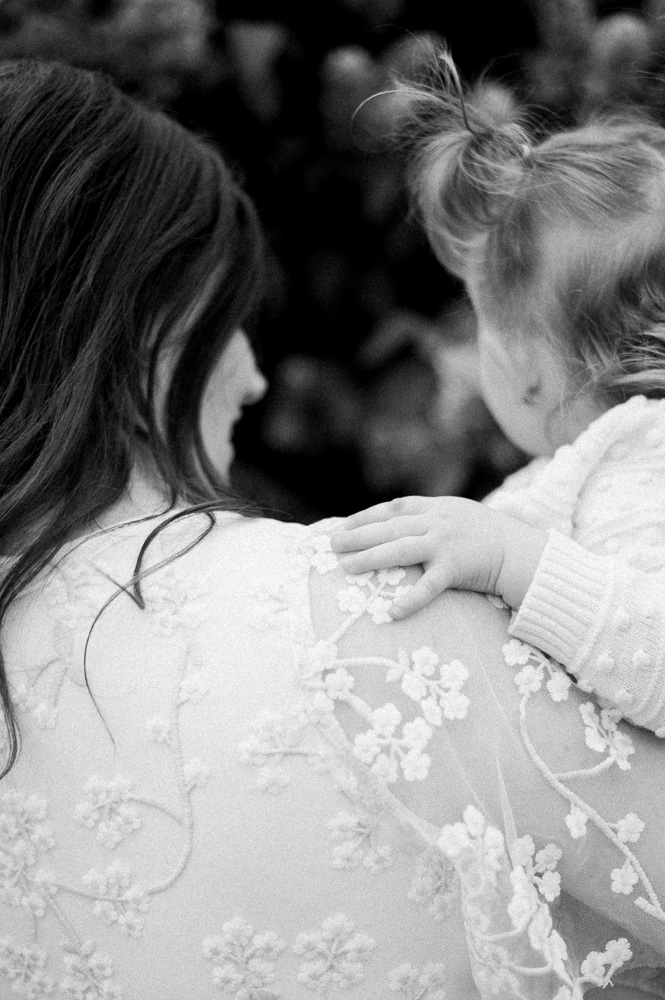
(182, 829)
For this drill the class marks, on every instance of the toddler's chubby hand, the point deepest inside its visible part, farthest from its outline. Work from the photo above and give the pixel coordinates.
(461, 545)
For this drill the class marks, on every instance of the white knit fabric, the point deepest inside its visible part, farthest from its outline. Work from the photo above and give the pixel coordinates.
(597, 600)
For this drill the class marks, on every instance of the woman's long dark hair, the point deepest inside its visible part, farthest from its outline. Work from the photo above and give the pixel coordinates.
(114, 222)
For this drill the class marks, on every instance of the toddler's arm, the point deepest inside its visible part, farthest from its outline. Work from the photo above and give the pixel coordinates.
(600, 619)
(461, 544)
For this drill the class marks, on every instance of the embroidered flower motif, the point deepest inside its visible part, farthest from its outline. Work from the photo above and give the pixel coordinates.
(338, 684)
(630, 828)
(24, 696)
(334, 955)
(539, 867)
(42, 887)
(119, 902)
(378, 608)
(314, 661)
(414, 985)
(177, 602)
(22, 824)
(529, 679)
(107, 807)
(25, 970)
(516, 653)
(244, 961)
(23, 834)
(544, 939)
(90, 973)
(45, 715)
(476, 849)
(353, 836)
(405, 751)
(322, 557)
(525, 901)
(496, 978)
(195, 773)
(599, 967)
(435, 884)
(273, 738)
(193, 688)
(559, 685)
(624, 879)
(44, 712)
(603, 736)
(269, 779)
(159, 728)
(440, 695)
(576, 821)
(352, 600)
(275, 610)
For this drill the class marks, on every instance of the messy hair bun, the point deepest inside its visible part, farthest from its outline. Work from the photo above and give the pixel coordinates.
(561, 235)
(469, 151)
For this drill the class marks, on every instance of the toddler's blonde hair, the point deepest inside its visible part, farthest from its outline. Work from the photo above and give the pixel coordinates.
(564, 236)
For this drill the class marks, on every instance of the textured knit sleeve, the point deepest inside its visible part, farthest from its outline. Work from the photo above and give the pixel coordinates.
(596, 598)
(604, 622)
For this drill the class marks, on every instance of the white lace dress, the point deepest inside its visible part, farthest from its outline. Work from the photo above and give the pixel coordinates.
(244, 781)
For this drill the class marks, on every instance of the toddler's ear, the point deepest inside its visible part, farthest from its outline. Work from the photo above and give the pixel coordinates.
(549, 389)
(530, 394)
(539, 370)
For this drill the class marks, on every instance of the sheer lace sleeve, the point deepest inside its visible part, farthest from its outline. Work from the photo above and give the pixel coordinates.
(549, 807)
(604, 621)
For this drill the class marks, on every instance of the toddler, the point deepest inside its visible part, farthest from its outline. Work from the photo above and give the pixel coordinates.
(560, 244)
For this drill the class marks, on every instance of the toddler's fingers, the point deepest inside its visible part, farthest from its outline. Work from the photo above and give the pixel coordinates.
(385, 511)
(402, 552)
(376, 533)
(432, 583)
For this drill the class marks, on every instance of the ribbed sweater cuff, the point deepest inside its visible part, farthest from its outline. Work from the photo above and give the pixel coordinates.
(561, 607)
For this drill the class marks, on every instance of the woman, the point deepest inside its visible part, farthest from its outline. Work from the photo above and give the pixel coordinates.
(232, 776)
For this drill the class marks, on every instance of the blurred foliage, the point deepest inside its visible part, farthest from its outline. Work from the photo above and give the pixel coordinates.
(592, 59)
(153, 48)
(368, 344)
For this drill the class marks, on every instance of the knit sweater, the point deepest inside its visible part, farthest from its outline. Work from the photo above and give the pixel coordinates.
(597, 600)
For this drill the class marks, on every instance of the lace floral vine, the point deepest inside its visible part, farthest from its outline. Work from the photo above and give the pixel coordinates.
(244, 961)
(111, 807)
(333, 960)
(393, 748)
(603, 736)
(530, 881)
(435, 883)
(410, 983)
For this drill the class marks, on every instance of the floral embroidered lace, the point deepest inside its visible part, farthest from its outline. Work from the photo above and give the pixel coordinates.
(259, 787)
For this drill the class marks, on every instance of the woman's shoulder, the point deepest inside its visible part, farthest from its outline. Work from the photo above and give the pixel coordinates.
(230, 550)
(205, 832)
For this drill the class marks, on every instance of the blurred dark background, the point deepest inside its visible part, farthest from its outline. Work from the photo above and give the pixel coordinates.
(367, 343)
